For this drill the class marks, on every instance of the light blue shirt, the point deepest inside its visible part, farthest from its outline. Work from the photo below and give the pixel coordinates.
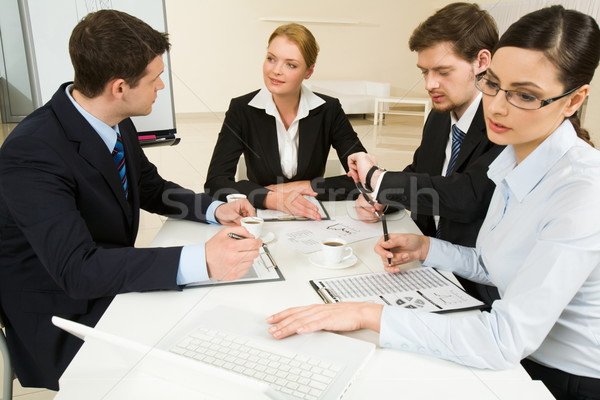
(192, 262)
(540, 245)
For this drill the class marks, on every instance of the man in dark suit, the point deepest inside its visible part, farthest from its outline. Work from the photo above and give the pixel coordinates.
(69, 210)
(446, 187)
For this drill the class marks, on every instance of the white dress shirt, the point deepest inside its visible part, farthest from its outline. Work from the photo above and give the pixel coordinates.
(540, 245)
(464, 123)
(287, 139)
(192, 262)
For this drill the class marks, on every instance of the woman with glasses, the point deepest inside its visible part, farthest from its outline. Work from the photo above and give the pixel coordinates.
(540, 241)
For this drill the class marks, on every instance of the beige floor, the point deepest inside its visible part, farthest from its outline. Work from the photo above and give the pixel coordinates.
(392, 142)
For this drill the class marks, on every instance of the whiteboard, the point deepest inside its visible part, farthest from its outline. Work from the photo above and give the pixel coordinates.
(50, 25)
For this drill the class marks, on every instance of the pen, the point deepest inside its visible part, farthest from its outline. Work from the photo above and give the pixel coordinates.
(236, 236)
(362, 191)
(265, 248)
(385, 235)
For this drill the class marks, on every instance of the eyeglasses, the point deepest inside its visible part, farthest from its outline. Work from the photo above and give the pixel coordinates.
(518, 99)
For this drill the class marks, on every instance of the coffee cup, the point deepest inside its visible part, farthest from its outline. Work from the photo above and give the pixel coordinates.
(335, 250)
(253, 225)
(235, 197)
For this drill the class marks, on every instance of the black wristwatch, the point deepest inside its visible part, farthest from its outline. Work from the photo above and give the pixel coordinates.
(370, 175)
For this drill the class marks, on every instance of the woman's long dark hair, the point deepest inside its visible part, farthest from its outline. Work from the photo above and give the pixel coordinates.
(568, 38)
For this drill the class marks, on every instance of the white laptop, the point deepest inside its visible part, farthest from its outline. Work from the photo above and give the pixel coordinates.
(232, 348)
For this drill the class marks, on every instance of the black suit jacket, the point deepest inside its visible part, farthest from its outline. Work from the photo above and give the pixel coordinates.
(250, 131)
(67, 233)
(461, 199)
(463, 196)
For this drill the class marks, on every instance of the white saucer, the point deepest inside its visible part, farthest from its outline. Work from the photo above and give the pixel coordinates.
(268, 237)
(316, 259)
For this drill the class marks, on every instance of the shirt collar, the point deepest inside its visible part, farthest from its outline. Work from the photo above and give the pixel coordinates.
(464, 123)
(107, 134)
(308, 101)
(522, 178)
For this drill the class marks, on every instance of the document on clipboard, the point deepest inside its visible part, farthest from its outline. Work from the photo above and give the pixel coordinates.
(264, 269)
(424, 289)
(276, 215)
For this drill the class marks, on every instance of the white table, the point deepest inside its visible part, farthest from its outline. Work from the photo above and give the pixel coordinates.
(101, 372)
(381, 109)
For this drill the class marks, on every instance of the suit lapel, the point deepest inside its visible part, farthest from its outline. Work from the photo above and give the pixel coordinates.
(439, 132)
(308, 132)
(130, 141)
(91, 146)
(475, 135)
(270, 143)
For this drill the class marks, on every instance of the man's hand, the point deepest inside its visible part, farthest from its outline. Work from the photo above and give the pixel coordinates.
(359, 164)
(232, 213)
(366, 212)
(228, 259)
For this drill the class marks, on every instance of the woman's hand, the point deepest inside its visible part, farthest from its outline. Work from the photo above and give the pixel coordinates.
(402, 248)
(329, 317)
(296, 186)
(289, 198)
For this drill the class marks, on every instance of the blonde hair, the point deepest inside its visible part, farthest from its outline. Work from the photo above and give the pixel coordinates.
(302, 37)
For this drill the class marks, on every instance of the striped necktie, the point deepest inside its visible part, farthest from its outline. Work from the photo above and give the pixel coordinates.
(457, 139)
(119, 158)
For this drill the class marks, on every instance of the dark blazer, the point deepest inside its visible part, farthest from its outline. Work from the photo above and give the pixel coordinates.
(464, 196)
(250, 131)
(67, 233)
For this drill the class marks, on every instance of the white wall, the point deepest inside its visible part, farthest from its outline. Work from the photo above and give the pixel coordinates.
(219, 46)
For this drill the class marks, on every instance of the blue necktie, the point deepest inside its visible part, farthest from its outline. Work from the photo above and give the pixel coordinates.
(457, 139)
(119, 158)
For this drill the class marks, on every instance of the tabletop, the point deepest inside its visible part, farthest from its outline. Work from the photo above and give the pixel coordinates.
(99, 371)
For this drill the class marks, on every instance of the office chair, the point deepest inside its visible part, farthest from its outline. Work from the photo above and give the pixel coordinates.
(7, 388)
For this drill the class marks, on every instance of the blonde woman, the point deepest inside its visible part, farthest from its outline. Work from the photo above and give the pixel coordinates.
(285, 132)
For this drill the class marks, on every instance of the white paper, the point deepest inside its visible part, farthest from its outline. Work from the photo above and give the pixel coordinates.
(422, 289)
(306, 237)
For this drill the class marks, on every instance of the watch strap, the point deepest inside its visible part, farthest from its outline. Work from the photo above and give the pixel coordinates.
(370, 175)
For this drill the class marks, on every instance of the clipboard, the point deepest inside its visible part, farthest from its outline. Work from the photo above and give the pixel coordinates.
(264, 269)
(424, 289)
(276, 215)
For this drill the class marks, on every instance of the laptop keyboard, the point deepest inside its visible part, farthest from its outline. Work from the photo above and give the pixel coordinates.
(301, 376)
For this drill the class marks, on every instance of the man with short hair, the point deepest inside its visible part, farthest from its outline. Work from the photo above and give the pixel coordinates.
(448, 176)
(73, 178)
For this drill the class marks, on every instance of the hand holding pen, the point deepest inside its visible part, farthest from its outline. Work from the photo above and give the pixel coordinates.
(228, 259)
(363, 192)
(265, 249)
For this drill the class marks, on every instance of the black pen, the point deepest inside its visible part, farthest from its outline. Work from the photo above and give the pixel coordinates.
(236, 236)
(267, 252)
(386, 236)
(362, 191)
